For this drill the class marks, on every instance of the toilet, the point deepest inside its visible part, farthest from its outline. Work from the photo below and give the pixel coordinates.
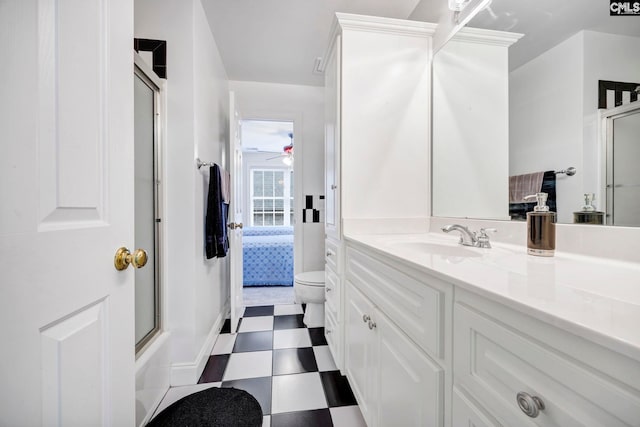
(308, 288)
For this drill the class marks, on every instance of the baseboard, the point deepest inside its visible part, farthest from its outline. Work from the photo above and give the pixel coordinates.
(189, 373)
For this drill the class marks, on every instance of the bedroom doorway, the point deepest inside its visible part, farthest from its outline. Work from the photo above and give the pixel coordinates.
(268, 237)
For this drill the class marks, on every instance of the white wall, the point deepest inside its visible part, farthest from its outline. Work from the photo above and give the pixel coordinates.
(305, 106)
(197, 116)
(545, 132)
(553, 111)
(211, 92)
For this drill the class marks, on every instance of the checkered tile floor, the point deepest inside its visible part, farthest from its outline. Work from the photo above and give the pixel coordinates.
(286, 366)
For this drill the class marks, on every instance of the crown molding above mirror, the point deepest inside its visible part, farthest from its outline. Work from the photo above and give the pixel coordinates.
(553, 121)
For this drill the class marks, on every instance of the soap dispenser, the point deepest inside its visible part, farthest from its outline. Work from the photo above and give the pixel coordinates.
(541, 227)
(588, 214)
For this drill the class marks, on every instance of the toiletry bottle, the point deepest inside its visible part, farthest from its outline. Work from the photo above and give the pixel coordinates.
(541, 227)
(589, 214)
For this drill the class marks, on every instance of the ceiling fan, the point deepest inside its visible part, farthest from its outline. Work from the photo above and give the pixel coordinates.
(287, 153)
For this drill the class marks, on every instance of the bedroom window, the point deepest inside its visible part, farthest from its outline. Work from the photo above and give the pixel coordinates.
(271, 197)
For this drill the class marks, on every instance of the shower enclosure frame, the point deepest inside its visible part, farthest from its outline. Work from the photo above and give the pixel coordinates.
(143, 71)
(606, 123)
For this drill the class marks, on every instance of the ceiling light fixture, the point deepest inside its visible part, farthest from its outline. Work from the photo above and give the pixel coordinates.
(457, 5)
(288, 152)
(464, 10)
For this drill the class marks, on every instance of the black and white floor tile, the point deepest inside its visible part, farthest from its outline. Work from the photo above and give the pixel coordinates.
(286, 366)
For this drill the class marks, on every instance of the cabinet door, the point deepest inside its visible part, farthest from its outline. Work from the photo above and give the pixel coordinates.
(465, 413)
(332, 142)
(359, 351)
(411, 388)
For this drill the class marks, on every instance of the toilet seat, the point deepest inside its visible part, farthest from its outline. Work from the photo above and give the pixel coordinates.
(310, 278)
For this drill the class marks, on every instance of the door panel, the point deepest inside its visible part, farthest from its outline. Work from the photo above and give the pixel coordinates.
(235, 214)
(81, 334)
(332, 141)
(359, 352)
(411, 385)
(66, 98)
(71, 156)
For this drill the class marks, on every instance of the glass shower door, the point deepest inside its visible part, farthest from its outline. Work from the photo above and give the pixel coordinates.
(625, 184)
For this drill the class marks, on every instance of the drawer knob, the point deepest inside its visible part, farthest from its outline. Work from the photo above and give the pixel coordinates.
(366, 318)
(372, 325)
(530, 405)
(329, 253)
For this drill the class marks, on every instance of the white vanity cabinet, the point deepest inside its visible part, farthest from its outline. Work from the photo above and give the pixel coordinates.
(377, 105)
(421, 350)
(333, 299)
(528, 373)
(396, 355)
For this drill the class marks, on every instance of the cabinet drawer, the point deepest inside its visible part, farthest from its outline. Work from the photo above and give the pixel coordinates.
(332, 334)
(332, 293)
(495, 362)
(332, 254)
(418, 308)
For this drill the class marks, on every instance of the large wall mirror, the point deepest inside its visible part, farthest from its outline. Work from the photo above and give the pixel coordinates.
(574, 85)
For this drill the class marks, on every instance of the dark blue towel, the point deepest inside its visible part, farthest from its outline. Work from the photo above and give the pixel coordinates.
(518, 211)
(216, 243)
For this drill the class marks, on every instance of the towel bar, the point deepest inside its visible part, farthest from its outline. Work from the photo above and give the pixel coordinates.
(568, 171)
(200, 163)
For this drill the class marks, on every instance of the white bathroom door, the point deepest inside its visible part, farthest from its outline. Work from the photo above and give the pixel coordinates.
(235, 214)
(66, 206)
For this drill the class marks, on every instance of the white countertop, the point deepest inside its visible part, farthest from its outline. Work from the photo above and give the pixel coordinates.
(590, 297)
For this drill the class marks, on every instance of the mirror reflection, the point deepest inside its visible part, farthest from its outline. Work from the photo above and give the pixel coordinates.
(574, 119)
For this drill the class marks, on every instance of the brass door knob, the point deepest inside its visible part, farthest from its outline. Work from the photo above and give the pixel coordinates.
(234, 225)
(123, 258)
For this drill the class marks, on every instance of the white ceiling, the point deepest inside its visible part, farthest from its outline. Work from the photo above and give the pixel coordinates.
(279, 40)
(546, 23)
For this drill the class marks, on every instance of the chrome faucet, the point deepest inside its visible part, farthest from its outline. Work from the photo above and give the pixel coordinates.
(470, 238)
(467, 237)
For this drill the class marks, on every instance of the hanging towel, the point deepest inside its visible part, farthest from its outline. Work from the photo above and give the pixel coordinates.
(216, 243)
(549, 187)
(226, 186)
(518, 210)
(524, 185)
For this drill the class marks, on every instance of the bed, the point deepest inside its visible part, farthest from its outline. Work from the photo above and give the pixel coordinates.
(267, 256)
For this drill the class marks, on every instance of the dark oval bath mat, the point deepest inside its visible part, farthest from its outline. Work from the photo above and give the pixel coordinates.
(219, 407)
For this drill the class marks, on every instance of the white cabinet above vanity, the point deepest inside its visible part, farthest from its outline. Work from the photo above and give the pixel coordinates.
(377, 109)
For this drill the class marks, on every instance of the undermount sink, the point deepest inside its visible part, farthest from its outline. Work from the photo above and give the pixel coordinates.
(445, 250)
